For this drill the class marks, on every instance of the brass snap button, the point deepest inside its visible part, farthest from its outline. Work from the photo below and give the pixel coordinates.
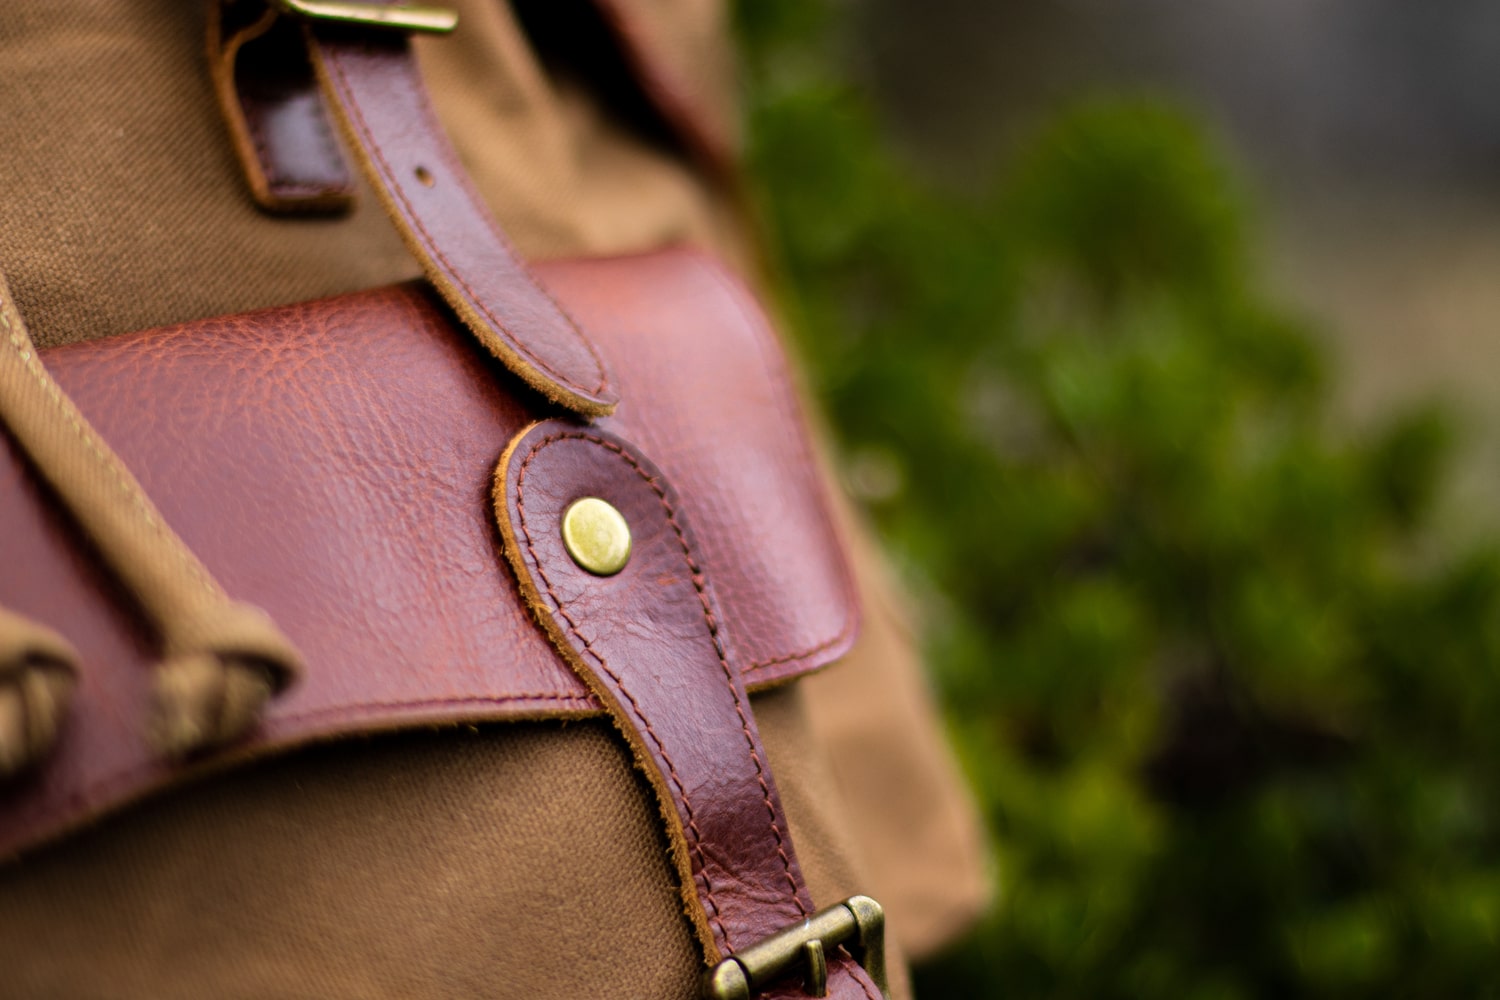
(596, 536)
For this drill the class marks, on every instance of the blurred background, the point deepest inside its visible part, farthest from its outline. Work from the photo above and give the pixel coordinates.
(1159, 343)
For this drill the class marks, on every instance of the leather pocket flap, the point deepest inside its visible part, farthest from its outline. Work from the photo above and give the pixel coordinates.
(331, 462)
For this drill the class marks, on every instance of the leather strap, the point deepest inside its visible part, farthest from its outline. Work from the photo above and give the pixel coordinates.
(278, 123)
(652, 645)
(370, 80)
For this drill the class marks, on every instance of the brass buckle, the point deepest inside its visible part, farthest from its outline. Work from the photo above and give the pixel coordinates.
(435, 20)
(858, 922)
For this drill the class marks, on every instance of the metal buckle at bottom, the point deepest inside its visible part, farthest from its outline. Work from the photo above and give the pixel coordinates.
(858, 923)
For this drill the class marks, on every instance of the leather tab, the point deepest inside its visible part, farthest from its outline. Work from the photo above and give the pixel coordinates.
(282, 133)
(372, 82)
(653, 646)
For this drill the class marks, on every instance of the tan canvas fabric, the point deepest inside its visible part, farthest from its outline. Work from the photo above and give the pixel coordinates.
(445, 864)
(502, 861)
(124, 209)
(897, 781)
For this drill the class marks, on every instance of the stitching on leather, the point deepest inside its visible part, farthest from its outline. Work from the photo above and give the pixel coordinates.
(699, 585)
(461, 176)
(791, 407)
(857, 973)
(739, 701)
(635, 707)
(134, 498)
(357, 117)
(788, 657)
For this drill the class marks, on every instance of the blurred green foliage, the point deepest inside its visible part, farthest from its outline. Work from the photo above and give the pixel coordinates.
(1231, 714)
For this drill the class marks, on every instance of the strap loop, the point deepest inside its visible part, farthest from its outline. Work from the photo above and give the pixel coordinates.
(207, 636)
(38, 670)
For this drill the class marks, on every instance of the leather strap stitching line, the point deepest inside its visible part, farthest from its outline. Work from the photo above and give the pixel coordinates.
(357, 117)
(461, 175)
(713, 629)
(789, 657)
(791, 405)
(134, 498)
(635, 707)
(697, 577)
(858, 974)
(739, 705)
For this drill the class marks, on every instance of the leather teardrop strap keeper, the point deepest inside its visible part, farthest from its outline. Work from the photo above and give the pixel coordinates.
(652, 646)
(370, 79)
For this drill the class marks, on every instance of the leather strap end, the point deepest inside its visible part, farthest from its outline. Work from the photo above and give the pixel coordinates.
(536, 556)
(372, 84)
(645, 632)
(650, 642)
(280, 129)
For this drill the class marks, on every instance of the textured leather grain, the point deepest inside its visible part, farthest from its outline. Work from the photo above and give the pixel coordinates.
(374, 86)
(656, 649)
(331, 461)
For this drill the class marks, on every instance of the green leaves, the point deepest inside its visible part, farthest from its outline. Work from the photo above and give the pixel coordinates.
(1126, 194)
(1229, 707)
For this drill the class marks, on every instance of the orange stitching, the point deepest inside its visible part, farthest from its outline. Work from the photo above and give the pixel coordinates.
(635, 706)
(333, 61)
(739, 705)
(859, 975)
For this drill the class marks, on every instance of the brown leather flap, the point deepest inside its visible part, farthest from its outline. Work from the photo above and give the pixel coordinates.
(331, 462)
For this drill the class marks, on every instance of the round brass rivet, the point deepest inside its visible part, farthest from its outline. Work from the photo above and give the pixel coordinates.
(596, 536)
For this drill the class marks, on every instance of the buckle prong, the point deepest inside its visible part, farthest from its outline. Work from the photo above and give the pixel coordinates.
(858, 923)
